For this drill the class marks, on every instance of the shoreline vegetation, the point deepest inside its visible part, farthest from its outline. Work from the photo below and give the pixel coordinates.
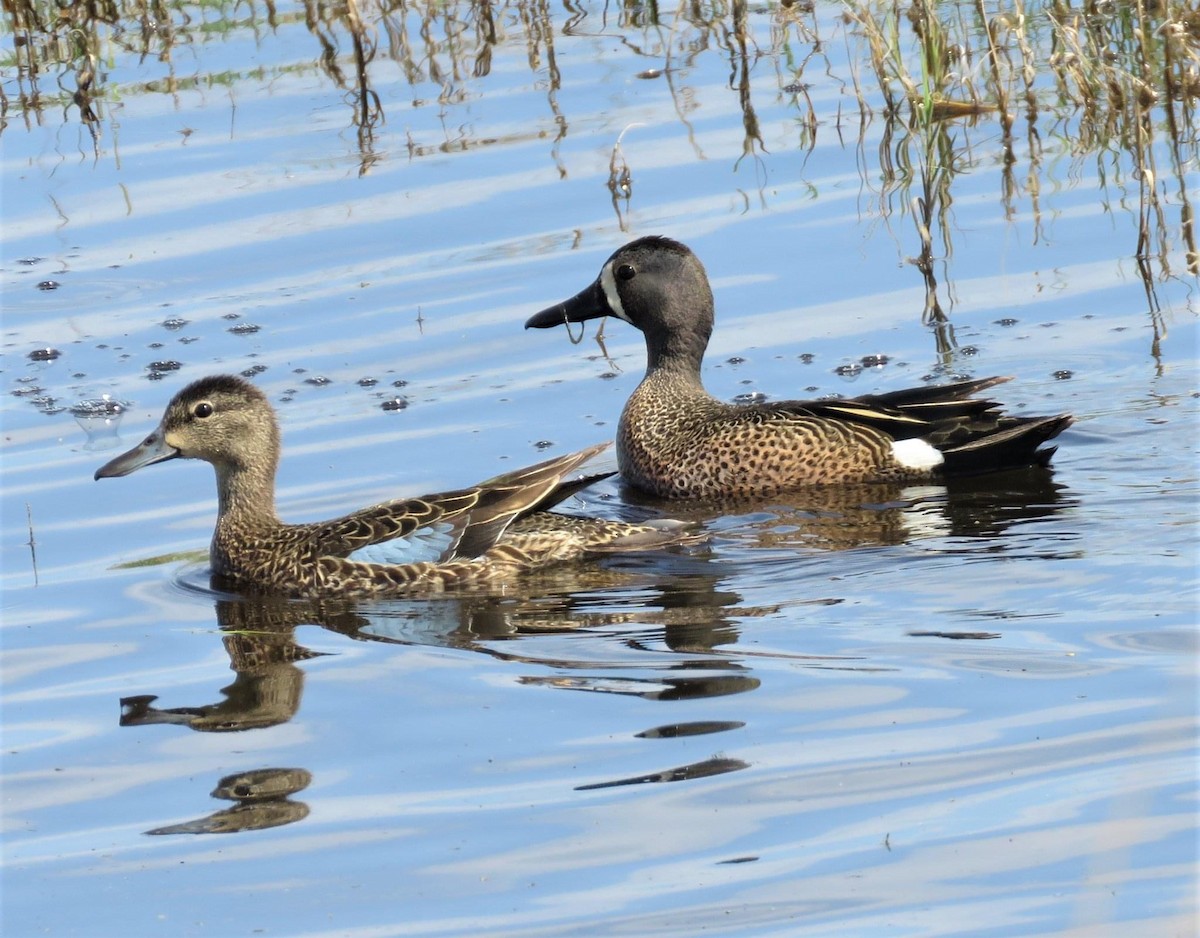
(954, 86)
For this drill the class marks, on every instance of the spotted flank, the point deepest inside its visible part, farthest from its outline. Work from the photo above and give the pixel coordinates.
(675, 440)
(487, 533)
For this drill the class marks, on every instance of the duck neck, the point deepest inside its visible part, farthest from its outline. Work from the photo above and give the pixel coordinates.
(676, 354)
(246, 493)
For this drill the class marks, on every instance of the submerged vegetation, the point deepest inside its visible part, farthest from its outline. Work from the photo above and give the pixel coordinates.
(955, 85)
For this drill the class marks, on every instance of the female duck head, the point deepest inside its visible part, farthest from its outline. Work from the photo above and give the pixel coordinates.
(222, 419)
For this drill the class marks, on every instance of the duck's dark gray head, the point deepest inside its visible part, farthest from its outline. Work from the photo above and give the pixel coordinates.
(655, 284)
(222, 419)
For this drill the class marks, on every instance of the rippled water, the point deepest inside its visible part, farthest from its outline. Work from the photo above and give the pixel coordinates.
(922, 710)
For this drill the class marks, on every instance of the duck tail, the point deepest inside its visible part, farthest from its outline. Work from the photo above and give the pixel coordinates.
(1015, 443)
(926, 395)
(565, 490)
(504, 499)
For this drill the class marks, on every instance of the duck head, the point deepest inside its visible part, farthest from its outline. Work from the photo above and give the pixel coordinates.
(656, 285)
(222, 419)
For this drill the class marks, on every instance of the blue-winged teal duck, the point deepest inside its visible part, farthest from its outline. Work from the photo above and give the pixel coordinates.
(482, 534)
(675, 440)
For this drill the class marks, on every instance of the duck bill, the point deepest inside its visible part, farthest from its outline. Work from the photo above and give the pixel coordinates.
(589, 303)
(151, 450)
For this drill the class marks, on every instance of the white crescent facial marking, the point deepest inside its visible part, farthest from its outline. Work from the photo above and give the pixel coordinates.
(916, 454)
(608, 283)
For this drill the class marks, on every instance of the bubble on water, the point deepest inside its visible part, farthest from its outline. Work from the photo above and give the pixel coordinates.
(99, 417)
(253, 370)
(174, 323)
(100, 407)
(318, 381)
(160, 369)
(244, 328)
(1007, 321)
(852, 370)
(751, 397)
(543, 444)
(47, 354)
(1063, 374)
(395, 403)
(367, 382)
(47, 285)
(874, 361)
(807, 357)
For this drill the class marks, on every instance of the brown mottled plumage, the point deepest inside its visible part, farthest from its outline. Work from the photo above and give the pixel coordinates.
(675, 440)
(485, 533)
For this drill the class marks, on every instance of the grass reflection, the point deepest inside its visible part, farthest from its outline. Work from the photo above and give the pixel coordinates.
(1113, 86)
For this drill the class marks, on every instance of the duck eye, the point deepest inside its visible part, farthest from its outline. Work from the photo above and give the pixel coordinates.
(203, 409)
(626, 272)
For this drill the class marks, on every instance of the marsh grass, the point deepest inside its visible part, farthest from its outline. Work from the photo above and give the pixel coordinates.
(1115, 84)
(955, 85)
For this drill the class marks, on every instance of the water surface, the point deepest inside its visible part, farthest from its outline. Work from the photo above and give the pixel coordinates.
(927, 710)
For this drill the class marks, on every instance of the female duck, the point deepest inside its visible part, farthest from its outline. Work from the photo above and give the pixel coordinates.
(675, 440)
(481, 534)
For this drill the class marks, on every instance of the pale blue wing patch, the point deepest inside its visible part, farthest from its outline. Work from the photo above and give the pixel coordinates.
(432, 543)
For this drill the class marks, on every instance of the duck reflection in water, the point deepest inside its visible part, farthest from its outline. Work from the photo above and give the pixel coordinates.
(259, 636)
(263, 801)
(676, 609)
(677, 604)
(982, 509)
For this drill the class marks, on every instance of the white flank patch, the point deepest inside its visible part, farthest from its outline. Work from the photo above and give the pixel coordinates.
(608, 283)
(916, 454)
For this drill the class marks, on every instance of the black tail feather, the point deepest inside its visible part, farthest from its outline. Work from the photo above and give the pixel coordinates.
(1013, 443)
(934, 393)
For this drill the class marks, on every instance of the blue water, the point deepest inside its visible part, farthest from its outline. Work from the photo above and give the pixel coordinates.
(971, 712)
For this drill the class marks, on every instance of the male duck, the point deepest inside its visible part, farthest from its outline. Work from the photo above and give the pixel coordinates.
(482, 534)
(675, 440)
